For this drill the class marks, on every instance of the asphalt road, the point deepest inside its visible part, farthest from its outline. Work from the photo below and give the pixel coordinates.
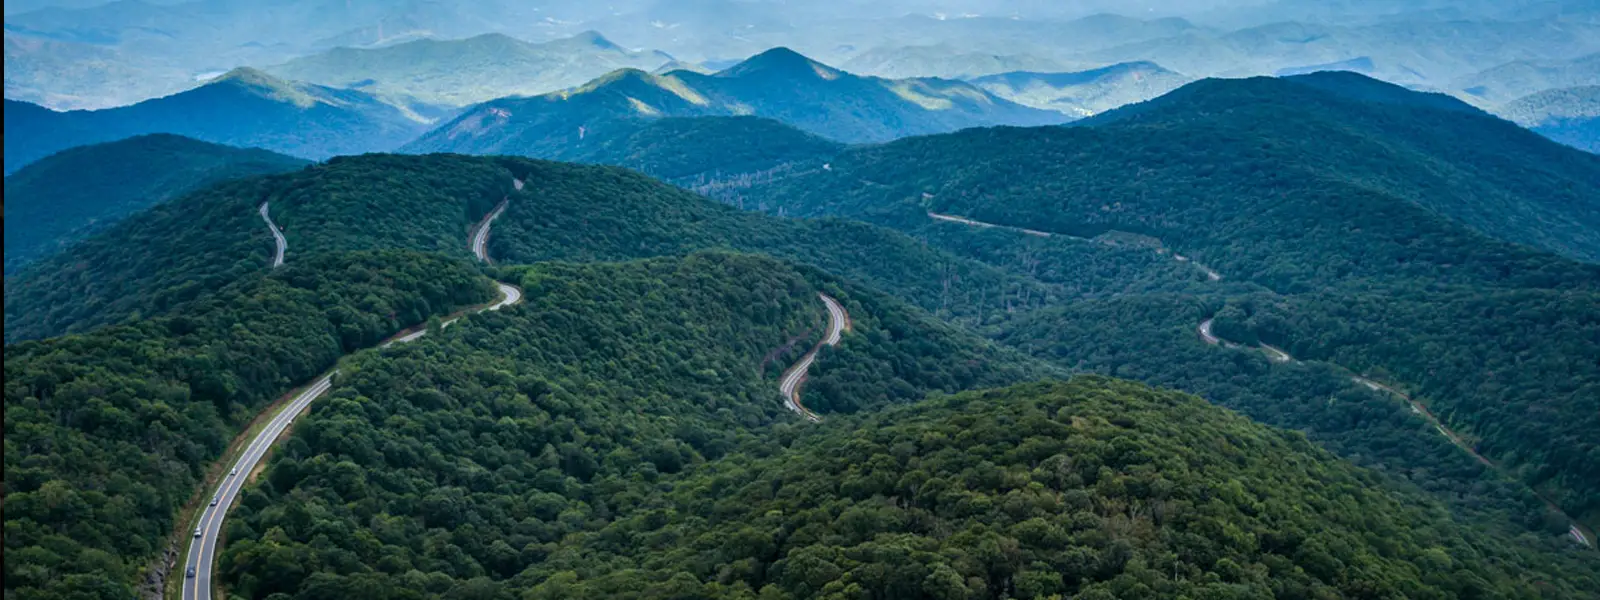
(1205, 333)
(480, 235)
(203, 548)
(508, 295)
(277, 260)
(789, 386)
(1210, 274)
(1277, 355)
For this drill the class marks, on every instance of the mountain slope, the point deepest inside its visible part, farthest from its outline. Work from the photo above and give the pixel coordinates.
(156, 261)
(1094, 488)
(1084, 93)
(1289, 189)
(468, 71)
(1468, 166)
(778, 84)
(115, 430)
(52, 203)
(244, 108)
(1569, 115)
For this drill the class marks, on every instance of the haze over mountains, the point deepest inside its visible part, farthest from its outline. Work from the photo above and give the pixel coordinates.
(779, 84)
(468, 71)
(889, 299)
(244, 107)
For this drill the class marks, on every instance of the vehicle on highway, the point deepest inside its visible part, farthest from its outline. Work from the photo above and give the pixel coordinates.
(235, 471)
(213, 500)
(190, 575)
(197, 532)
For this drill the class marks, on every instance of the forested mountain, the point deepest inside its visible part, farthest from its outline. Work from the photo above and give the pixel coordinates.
(1287, 189)
(108, 434)
(1570, 115)
(1093, 488)
(63, 198)
(778, 84)
(158, 260)
(467, 71)
(1084, 93)
(244, 108)
(698, 150)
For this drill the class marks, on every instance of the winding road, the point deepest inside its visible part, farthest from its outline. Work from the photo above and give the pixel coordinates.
(202, 551)
(203, 546)
(277, 236)
(1417, 408)
(1210, 274)
(789, 385)
(480, 235)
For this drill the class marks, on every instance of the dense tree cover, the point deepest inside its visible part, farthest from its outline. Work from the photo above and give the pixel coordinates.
(1249, 212)
(473, 453)
(147, 264)
(108, 433)
(1430, 149)
(159, 259)
(618, 215)
(1497, 366)
(1153, 338)
(690, 149)
(1365, 191)
(898, 355)
(63, 198)
(503, 484)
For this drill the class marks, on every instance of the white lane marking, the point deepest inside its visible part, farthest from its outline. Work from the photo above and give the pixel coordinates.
(202, 550)
(277, 236)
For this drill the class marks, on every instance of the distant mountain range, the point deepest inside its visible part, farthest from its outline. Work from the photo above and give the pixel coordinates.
(65, 197)
(1429, 53)
(468, 71)
(943, 60)
(244, 107)
(1087, 92)
(1570, 115)
(778, 84)
(1513, 80)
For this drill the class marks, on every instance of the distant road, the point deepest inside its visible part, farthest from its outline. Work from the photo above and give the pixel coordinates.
(480, 234)
(1417, 408)
(1210, 274)
(508, 295)
(277, 236)
(789, 385)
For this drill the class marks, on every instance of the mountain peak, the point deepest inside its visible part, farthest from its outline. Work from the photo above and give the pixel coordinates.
(248, 76)
(257, 82)
(781, 60)
(593, 38)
